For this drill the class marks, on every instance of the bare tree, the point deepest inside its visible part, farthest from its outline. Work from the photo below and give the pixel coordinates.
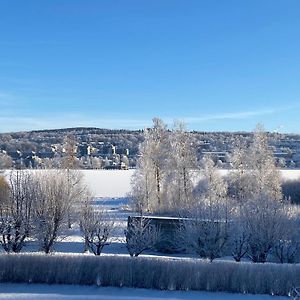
(97, 227)
(16, 211)
(141, 235)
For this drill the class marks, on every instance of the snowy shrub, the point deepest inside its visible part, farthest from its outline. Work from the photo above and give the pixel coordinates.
(146, 272)
(96, 227)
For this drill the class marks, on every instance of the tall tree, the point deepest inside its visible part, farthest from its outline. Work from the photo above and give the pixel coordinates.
(182, 161)
(259, 213)
(207, 230)
(151, 167)
(265, 177)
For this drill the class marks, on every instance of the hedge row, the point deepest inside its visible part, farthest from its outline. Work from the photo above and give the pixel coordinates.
(147, 272)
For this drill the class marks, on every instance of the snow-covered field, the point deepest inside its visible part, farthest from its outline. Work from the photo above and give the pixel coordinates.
(73, 292)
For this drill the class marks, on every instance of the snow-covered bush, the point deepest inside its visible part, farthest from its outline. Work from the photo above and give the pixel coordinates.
(145, 272)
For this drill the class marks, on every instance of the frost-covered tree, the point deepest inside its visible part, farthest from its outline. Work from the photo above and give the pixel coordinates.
(265, 209)
(239, 176)
(96, 226)
(207, 230)
(238, 190)
(141, 235)
(182, 161)
(264, 174)
(56, 199)
(16, 210)
(254, 172)
(255, 185)
(264, 222)
(142, 187)
(148, 182)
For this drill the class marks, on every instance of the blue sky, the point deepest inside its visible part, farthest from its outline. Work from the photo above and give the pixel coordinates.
(217, 65)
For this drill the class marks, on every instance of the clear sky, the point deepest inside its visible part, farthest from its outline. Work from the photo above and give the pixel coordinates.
(217, 65)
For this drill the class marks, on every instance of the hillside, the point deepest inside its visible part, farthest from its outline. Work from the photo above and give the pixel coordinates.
(107, 142)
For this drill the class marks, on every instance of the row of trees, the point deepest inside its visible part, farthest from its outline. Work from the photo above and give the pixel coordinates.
(41, 206)
(163, 178)
(244, 211)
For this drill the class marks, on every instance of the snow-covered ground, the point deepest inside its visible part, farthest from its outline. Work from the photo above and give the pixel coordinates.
(73, 292)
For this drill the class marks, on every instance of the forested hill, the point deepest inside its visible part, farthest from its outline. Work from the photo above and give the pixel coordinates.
(39, 139)
(287, 145)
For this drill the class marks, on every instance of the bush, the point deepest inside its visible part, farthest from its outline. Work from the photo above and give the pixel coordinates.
(155, 273)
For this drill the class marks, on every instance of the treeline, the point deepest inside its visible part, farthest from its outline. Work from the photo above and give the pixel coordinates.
(42, 205)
